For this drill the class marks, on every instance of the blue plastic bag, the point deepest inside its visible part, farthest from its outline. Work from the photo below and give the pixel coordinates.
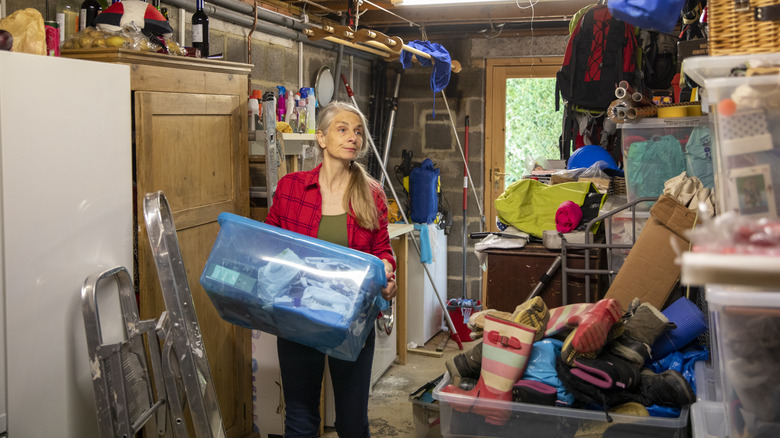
(541, 367)
(661, 15)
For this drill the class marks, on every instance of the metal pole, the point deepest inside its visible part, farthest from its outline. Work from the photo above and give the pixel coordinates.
(391, 123)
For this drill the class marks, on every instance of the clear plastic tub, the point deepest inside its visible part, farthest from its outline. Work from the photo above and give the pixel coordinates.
(530, 420)
(657, 149)
(293, 286)
(748, 144)
(707, 382)
(747, 325)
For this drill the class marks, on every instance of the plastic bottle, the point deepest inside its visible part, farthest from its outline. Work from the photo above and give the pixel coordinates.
(289, 106)
(254, 112)
(311, 121)
(281, 104)
(68, 18)
(293, 115)
(302, 112)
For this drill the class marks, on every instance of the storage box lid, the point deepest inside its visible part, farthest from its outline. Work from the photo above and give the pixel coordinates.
(743, 298)
(745, 270)
(703, 68)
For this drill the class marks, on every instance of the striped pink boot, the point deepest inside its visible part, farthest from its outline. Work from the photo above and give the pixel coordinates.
(506, 347)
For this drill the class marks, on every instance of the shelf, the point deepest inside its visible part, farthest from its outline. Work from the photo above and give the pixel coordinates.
(294, 144)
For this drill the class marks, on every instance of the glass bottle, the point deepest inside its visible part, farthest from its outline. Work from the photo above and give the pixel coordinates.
(68, 18)
(200, 30)
(89, 10)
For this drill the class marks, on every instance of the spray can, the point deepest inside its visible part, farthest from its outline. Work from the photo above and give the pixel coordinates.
(254, 112)
(311, 122)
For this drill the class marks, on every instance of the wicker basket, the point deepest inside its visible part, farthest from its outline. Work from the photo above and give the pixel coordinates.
(736, 32)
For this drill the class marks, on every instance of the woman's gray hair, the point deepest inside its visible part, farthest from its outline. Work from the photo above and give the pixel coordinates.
(329, 112)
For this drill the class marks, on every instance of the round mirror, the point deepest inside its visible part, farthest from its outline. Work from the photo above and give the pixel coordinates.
(324, 86)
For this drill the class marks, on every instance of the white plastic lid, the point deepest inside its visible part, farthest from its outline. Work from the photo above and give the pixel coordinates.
(743, 270)
(703, 68)
(736, 298)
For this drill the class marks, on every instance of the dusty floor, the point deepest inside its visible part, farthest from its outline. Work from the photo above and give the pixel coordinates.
(389, 408)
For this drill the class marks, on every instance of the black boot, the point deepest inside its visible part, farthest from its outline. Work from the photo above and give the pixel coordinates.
(640, 332)
(668, 388)
(468, 365)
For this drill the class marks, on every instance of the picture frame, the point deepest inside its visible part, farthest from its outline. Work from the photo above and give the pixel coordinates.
(754, 191)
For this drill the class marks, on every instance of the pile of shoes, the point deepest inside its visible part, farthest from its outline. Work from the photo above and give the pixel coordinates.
(600, 362)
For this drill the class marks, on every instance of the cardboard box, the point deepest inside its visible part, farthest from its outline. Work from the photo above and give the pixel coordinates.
(650, 271)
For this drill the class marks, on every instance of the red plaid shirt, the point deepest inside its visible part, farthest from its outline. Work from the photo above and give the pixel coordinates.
(297, 206)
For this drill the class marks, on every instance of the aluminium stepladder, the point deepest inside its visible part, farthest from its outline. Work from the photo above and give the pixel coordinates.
(180, 366)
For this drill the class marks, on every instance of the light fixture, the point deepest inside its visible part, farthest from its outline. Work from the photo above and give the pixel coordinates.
(445, 2)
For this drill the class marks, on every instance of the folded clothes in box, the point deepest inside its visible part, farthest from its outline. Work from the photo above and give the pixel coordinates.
(293, 286)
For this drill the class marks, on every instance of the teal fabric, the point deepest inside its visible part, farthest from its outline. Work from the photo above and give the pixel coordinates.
(650, 163)
(698, 156)
(530, 205)
(426, 254)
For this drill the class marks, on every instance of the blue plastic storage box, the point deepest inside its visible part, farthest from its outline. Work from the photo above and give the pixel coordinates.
(293, 286)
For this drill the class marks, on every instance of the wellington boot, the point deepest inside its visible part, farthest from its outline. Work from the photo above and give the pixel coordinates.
(467, 364)
(506, 347)
(608, 372)
(592, 327)
(559, 315)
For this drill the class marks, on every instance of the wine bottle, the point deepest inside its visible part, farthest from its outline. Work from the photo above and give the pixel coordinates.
(89, 10)
(200, 30)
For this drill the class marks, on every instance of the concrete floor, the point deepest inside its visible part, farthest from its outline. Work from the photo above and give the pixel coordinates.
(389, 408)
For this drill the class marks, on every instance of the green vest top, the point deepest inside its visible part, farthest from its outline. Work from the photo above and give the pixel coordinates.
(333, 229)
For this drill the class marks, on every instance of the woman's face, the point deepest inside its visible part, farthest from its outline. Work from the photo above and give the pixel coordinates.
(344, 139)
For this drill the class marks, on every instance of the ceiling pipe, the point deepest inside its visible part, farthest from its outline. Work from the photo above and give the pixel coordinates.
(280, 26)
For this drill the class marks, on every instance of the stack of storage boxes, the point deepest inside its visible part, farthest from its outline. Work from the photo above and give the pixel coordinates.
(741, 285)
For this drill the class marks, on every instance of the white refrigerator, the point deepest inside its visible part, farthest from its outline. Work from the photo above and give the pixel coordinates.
(65, 213)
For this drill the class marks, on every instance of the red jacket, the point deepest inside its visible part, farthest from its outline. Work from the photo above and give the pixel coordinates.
(297, 206)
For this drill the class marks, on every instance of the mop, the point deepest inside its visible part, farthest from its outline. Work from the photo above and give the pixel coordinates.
(406, 219)
(462, 308)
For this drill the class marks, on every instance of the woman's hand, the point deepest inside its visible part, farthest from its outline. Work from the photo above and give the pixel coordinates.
(389, 292)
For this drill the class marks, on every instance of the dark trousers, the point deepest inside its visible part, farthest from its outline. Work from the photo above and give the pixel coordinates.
(302, 370)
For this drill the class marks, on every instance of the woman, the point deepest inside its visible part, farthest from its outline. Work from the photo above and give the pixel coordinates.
(338, 202)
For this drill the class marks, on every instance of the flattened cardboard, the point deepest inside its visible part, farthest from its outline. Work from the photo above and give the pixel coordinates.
(650, 272)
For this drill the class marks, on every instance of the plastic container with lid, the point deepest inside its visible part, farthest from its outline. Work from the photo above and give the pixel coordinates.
(306, 290)
(657, 149)
(747, 322)
(532, 420)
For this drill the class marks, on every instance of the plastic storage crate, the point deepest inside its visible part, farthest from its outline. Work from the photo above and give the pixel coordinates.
(293, 286)
(707, 381)
(657, 149)
(425, 410)
(530, 420)
(748, 337)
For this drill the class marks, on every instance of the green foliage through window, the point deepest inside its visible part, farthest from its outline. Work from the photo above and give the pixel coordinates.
(532, 125)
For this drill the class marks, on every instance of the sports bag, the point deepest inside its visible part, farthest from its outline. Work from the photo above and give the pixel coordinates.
(600, 53)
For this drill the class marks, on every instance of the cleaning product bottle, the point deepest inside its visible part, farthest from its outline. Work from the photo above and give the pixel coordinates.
(289, 106)
(281, 106)
(293, 116)
(311, 120)
(303, 113)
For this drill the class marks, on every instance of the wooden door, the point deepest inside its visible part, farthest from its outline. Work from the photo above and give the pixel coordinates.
(189, 146)
(497, 73)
